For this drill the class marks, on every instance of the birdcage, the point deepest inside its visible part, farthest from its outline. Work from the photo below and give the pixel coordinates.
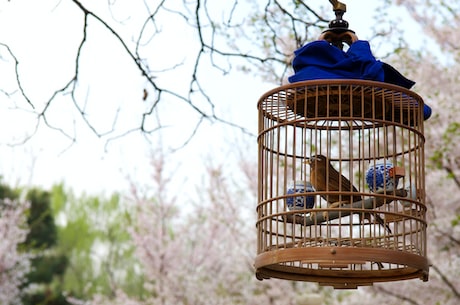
(314, 226)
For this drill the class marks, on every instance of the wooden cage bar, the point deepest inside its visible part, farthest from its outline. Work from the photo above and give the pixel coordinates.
(363, 129)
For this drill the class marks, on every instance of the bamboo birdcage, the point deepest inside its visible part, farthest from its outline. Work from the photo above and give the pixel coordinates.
(356, 124)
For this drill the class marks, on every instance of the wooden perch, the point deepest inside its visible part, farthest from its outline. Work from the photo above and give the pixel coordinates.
(331, 213)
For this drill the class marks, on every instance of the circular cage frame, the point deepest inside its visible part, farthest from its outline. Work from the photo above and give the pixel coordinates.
(355, 124)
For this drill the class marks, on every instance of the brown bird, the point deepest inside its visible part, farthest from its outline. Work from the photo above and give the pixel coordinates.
(324, 177)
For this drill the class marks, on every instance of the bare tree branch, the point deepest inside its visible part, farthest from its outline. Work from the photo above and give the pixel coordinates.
(396, 295)
(223, 44)
(18, 80)
(446, 281)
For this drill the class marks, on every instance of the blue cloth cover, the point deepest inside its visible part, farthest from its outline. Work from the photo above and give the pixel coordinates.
(321, 60)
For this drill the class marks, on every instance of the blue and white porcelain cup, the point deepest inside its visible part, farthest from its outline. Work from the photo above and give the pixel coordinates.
(300, 202)
(381, 177)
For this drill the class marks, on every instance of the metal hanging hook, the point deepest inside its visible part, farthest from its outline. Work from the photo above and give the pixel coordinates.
(338, 31)
(339, 9)
(338, 6)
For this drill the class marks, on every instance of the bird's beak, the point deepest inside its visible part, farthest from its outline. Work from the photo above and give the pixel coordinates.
(308, 160)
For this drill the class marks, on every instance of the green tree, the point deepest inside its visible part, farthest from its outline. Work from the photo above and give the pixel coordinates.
(47, 264)
(7, 192)
(92, 232)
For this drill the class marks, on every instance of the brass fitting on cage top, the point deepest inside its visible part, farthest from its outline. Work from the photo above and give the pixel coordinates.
(339, 9)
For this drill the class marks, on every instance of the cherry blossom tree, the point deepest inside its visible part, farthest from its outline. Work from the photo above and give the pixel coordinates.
(14, 263)
(436, 77)
(201, 252)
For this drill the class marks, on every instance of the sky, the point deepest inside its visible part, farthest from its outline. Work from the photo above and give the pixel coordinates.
(42, 36)
(45, 51)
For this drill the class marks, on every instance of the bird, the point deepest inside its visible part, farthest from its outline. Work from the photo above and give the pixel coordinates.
(324, 177)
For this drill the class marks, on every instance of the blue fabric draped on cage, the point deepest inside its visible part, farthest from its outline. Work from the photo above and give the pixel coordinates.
(321, 60)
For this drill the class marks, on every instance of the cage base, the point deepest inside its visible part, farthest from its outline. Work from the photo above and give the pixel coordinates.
(341, 267)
